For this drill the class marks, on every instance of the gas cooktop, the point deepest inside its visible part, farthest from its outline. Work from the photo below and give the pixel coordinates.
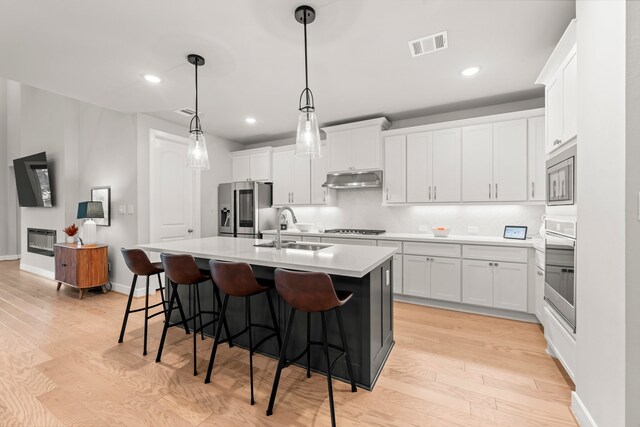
(354, 231)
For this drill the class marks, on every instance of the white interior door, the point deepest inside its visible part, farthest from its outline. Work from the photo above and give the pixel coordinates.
(174, 205)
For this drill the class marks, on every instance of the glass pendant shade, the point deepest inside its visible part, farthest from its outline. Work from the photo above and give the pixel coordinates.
(308, 136)
(197, 156)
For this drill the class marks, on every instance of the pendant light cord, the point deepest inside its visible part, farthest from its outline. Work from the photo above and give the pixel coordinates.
(308, 95)
(195, 117)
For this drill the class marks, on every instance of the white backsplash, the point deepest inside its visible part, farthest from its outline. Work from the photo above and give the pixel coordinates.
(362, 209)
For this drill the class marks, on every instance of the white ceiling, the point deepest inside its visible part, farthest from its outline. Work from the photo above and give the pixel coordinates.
(360, 65)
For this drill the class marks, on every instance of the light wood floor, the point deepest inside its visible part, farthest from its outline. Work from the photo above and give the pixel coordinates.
(60, 364)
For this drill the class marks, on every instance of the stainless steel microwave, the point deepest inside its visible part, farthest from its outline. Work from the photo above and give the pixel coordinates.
(561, 178)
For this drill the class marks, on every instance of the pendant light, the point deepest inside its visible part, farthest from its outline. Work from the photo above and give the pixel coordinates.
(197, 157)
(308, 134)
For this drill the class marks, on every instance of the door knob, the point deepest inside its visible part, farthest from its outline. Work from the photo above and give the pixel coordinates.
(190, 230)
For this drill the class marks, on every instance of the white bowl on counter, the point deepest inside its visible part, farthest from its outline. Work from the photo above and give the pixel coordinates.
(440, 231)
(304, 226)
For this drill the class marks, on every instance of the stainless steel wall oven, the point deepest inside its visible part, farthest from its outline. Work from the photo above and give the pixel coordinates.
(560, 268)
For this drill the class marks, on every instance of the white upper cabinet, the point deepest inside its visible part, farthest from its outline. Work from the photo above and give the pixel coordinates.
(356, 146)
(340, 151)
(536, 158)
(494, 162)
(445, 156)
(319, 167)
(395, 175)
(291, 178)
(282, 174)
(570, 99)
(554, 114)
(477, 163)
(510, 160)
(251, 165)
(418, 171)
(560, 78)
(365, 146)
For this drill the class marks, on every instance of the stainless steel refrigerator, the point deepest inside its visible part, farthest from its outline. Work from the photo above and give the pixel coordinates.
(244, 209)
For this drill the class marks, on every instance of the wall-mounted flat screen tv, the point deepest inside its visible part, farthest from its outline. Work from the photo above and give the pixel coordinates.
(33, 179)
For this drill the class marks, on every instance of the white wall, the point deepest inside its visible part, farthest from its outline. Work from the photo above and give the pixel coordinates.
(632, 223)
(362, 209)
(4, 172)
(90, 146)
(600, 351)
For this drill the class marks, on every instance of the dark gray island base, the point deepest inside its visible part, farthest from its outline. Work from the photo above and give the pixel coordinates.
(367, 317)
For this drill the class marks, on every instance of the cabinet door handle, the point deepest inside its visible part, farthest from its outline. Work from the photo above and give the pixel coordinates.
(435, 193)
(490, 264)
(292, 197)
(495, 264)
(496, 191)
(387, 191)
(557, 142)
(489, 190)
(539, 273)
(429, 192)
(533, 189)
(324, 195)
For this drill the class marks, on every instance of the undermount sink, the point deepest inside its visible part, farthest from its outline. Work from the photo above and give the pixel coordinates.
(305, 246)
(292, 244)
(272, 244)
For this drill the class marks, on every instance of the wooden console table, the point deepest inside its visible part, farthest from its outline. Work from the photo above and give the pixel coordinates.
(82, 267)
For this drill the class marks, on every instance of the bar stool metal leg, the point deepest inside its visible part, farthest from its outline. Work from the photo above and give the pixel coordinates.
(199, 310)
(195, 329)
(346, 351)
(216, 340)
(326, 353)
(164, 301)
(126, 312)
(308, 345)
(248, 310)
(224, 321)
(174, 294)
(274, 319)
(146, 316)
(174, 289)
(281, 362)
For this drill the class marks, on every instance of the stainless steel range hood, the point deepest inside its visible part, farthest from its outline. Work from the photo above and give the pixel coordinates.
(365, 179)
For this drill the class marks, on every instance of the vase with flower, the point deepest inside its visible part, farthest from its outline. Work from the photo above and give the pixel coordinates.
(71, 231)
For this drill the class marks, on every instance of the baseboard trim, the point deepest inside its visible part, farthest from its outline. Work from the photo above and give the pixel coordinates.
(9, 257)
(466, 308)
(125, 289)
(37, 271)
(581, 412)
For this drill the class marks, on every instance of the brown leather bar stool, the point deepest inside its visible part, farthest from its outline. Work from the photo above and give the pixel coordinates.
(182, 270)
(311, 293)
(139, 265)
(236, 279)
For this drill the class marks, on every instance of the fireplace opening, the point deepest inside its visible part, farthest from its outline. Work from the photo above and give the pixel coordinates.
(41, 241)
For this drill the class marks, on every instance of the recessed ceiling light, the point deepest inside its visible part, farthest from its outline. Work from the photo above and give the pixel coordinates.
(151, 78)
(250, 120)
(471, 71)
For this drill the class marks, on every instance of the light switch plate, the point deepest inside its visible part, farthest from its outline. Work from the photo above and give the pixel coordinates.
(122, 209)
(130, 210)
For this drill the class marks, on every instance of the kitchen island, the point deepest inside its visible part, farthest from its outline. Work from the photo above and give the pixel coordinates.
(368, 316)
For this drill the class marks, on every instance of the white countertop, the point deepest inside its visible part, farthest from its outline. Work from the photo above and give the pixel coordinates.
(417, 237)
(343, 260)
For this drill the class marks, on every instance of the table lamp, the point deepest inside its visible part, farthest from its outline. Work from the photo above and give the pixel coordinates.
(88, 211)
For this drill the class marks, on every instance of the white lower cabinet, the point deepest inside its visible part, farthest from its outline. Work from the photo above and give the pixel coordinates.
(445, 279)
(495, 284)
(397, 274)
(347, 241)
(417, 276)
(510, 286)
(477, 282)
(428, 277)
(539, 293)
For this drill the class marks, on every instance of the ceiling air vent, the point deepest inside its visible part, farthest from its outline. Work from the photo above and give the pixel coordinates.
(428, 44)
(186, 112)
